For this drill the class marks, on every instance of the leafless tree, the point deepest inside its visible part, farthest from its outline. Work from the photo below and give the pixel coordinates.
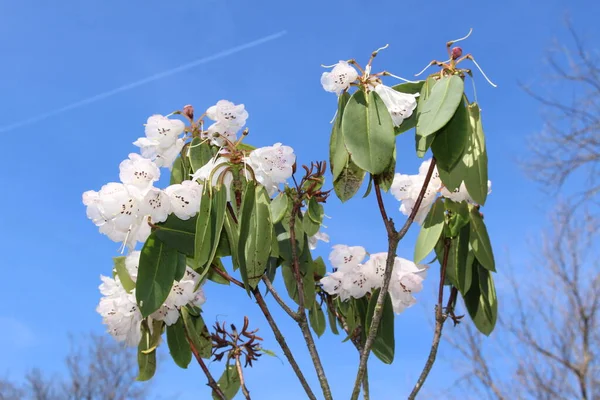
(569, 143)
(548, 342)
(98, 368)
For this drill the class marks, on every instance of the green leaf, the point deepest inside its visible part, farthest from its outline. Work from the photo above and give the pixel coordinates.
(332, 321)
(315, 211)
(229, 383)
(121, 270)
(181, 265)
(440, 105)
(202, 235)
(384, 344)
(316, 318)
(307, 280)
(411, 88)
(279, 206)
(178, 172)
(319, 267)
(349, 181)
(338, 154)
(423, 144)
(255, 234)
(213, 276)
(368, 132)
(430, 231)
(450, 142)
(246, 147)
(156, 273)
(369, 187)
(475, 158)
(453, 178)
(458, 214)
(309, 226)
(387, 177)
(480, 300)
(197, 333)
(480, 242)
(178, 345)
(146, 359)
(199, 154)
(459, 265)
(178, 234)
(231, 230)
(218, 211)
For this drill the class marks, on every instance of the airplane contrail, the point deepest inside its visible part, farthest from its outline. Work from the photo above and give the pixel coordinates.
(149, 79)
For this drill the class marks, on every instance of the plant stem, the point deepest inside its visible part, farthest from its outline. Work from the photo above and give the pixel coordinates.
(393, 240)
(302, 321)
(278, 335)
(238, 365)
(440, 318)
(279, 300)
(211, 381)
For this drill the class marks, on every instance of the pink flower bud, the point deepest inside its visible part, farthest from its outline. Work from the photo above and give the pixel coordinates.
(456, 53)
(188, 111)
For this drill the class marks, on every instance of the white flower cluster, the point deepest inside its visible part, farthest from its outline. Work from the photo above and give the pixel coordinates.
(162, 143)
(121, 314)
(121, 210)
(352, 278)
(400, 105)
(406, 189)
(230, 118)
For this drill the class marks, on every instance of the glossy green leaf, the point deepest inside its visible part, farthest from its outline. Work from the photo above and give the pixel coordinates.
(440, 105)
(450, 142)
(197, 333)
(385, 343)
(387, 177)
(178, 234)
(480, 300)
(320, 269)
(213, 276)
(181, 266)
(338, 154)
(177, 172)
(202, 235)
(332, 321)
(411, 88)
(316, 317)
(199, 154)
(488, 294)
(458, 216)
(430, 231)
(453, 178)
(349, 181)
(423, 143)
(229, 383)
(255, 234)
(475, 158)
(307, 280)
(156, 273)
(231, 230)
(459, 263)
(309, 226)
(146, 359)
(178, 344)
(279, 206)
(480, 242)
(368, 132)
(369, 187)
(121, 271)
(315, 210)
(218, 211)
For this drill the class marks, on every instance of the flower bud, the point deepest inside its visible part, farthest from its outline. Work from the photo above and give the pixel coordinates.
(188, 111)
(456, 52)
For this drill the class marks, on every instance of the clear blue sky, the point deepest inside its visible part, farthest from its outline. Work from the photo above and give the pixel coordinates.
(59, 53)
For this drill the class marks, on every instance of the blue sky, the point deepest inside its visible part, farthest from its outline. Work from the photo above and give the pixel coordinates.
(60, 53)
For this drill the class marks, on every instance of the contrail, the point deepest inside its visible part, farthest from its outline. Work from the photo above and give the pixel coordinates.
(141, 82)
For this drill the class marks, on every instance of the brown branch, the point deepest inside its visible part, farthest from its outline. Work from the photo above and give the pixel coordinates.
(211, 381)
(238, 365)
(279, 300)
(440, 318)
(393, 240)
(302, 321)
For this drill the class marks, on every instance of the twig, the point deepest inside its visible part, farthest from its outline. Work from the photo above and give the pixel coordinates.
(278, 335)
(279, 300)
(283, 344)
(440, 318)
(211, 381)
(238, 365)
(393, 240)
(302, 321)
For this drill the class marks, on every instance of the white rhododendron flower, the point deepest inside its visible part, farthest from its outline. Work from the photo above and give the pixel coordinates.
(162, 143)
(406, 189)
(353, 279)
(219, 133)
(312, 241)
(400, 105)
(156, 204)
(272, 165)
(228, 114)
(120, 312)
(132, 262)
(138, 171)
(185, 199)
(339, 78)
(344, 257)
